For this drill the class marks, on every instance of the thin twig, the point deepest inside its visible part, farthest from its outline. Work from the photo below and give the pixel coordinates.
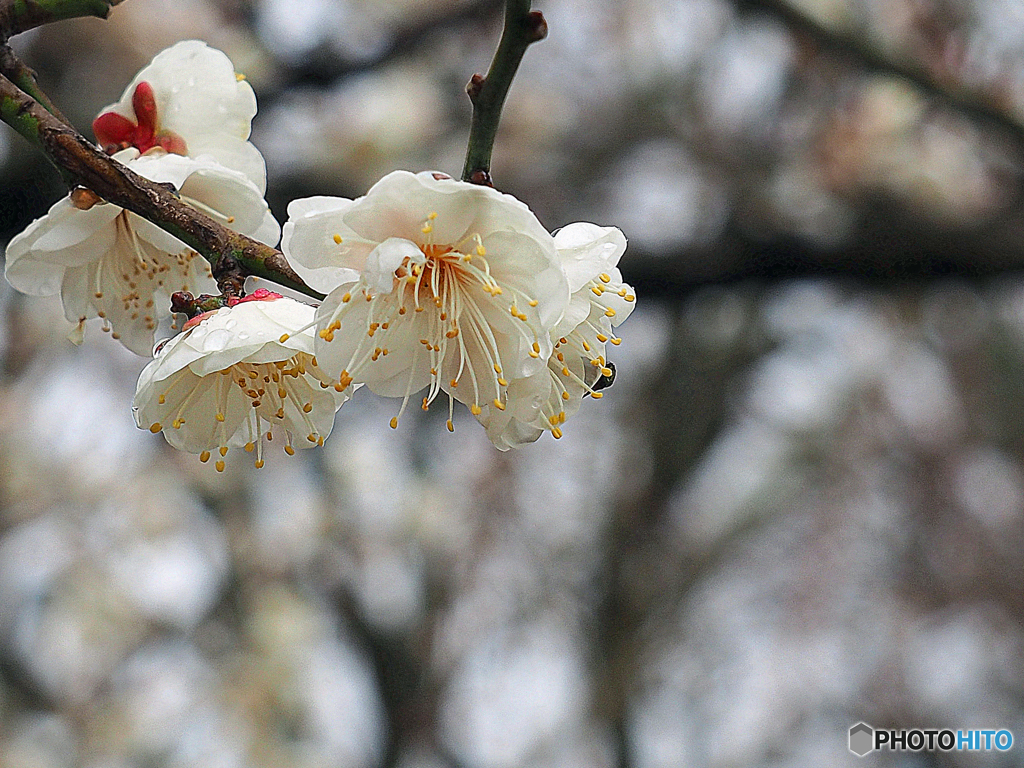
(18, 73)
(18, 16)
(231, 255)
(522, 27)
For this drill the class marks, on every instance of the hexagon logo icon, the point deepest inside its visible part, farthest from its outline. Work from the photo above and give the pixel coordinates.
(861, 739)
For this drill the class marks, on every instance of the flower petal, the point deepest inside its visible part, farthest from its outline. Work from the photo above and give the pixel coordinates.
(587, 250)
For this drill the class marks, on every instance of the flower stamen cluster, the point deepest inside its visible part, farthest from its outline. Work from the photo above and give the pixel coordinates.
(229, 381)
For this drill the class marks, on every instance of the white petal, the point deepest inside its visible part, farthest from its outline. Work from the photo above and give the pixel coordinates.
(310, 243)
(68, 240)
(387, 257)
(587, 250)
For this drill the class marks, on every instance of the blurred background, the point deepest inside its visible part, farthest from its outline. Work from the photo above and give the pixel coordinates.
(801, 505)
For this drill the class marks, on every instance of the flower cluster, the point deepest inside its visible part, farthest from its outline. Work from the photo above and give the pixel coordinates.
(106, 262)
(456, 288)
(432, 285)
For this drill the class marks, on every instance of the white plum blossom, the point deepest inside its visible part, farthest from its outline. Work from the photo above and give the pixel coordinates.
(187, 101)
(107, 262)
(431, 283)
(600, 301)
(228, 380)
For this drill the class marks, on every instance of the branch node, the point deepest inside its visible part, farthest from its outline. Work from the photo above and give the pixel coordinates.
(84, 198)
(536, 27)
(480, 176)
(230, 276)
(475, 85)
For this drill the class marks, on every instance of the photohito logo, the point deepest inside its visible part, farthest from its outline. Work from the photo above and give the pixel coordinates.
(865, 739)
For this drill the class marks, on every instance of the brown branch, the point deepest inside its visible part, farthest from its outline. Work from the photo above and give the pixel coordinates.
(231, 255)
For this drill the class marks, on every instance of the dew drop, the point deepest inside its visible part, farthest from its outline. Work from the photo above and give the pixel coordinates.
(217, 340)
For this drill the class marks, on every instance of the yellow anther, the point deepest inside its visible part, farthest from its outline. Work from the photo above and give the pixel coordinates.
(223, 450)
(346, 298)
(426, 404)
(597, 395)
(597, 290)
(239, 76)
(605, 278)
(616, 341)
(602, 338)
(453, 383)
(161, 399)
(565, 370)
(311, 437)
(432, 215)
(258, 463)
(607, 372)
(497, 368)
(481, 251)
(533, 302)
(474, 409)
(427, 229)
(498, 404)
(556, 433)
(609, 312)
(155, 427)
(177, 423)
(394, 422)
(536, 347)
(561, 417)
(337, 239)
(250, 447)
(220, 465)
(502, 382)
(565, 395)
(289, 450)
(451, 427)
(204, 456)
(284, 338)
(219, 417)
(307, 407)
(631, 297)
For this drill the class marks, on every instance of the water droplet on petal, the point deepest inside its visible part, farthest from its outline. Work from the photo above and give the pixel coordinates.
(217, 340)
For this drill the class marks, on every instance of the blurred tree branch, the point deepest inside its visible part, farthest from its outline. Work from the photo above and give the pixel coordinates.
(950, 90)
(18, 16)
